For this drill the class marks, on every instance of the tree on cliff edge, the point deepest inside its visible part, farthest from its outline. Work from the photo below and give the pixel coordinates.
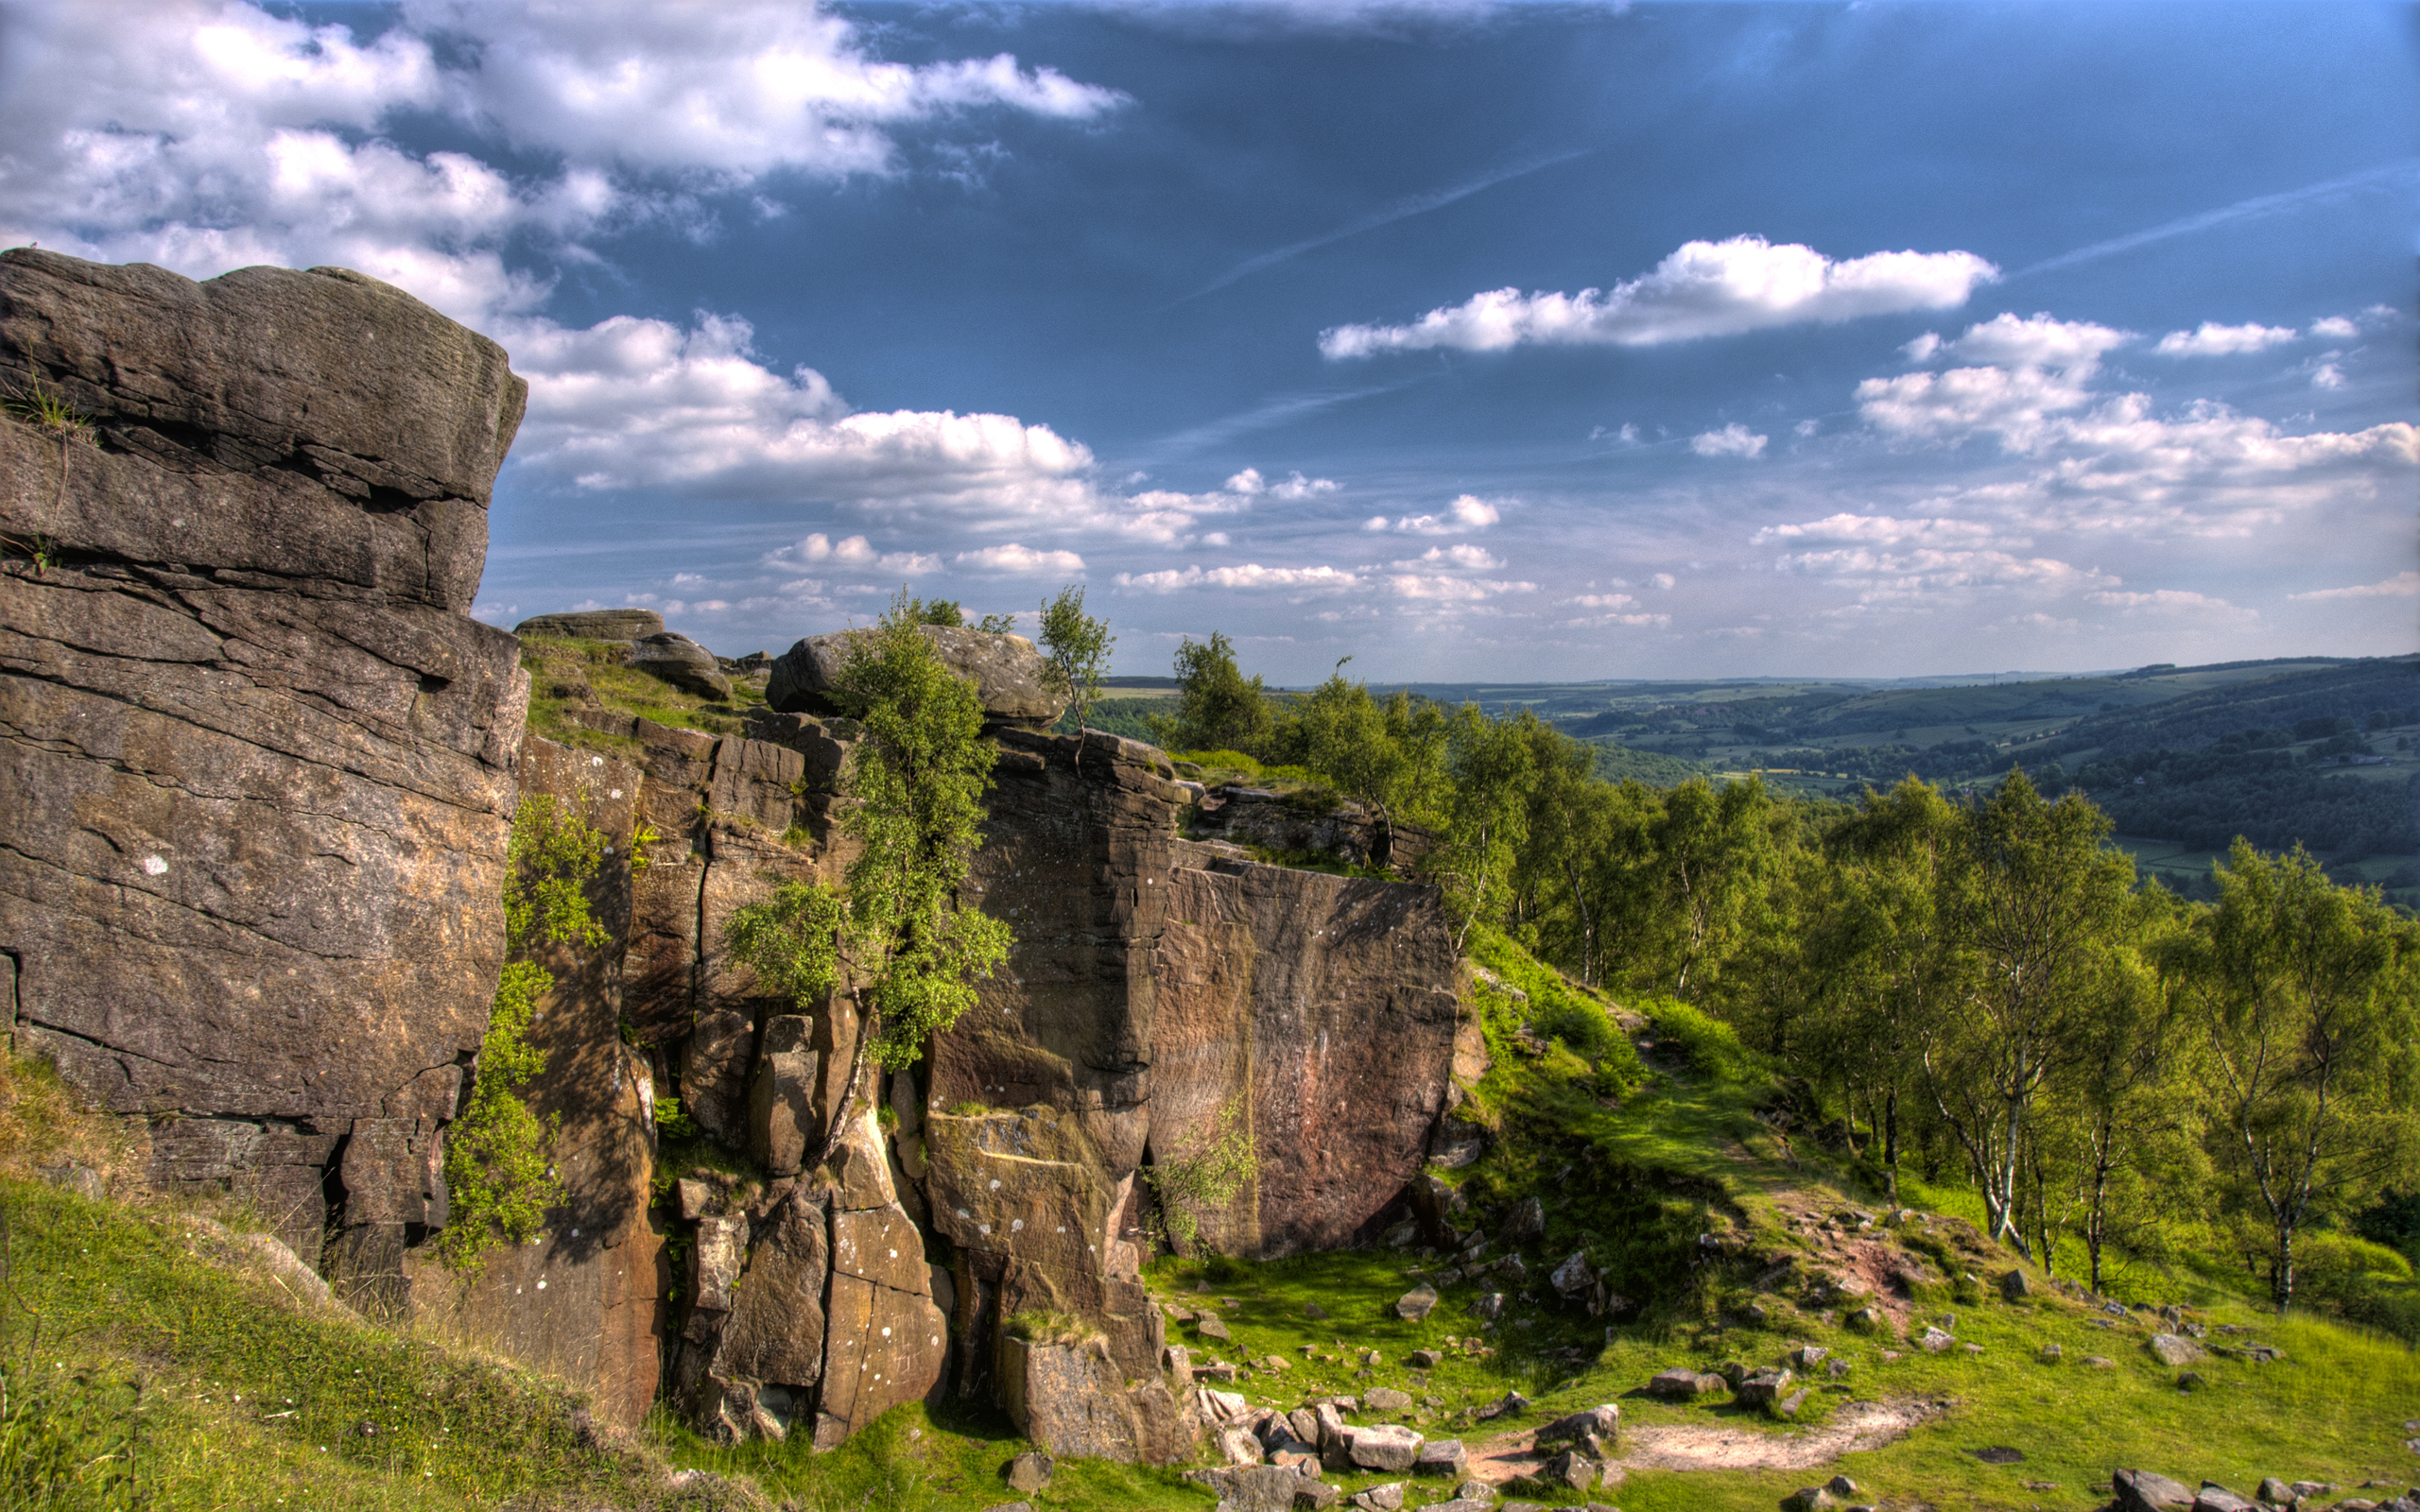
(918, 777)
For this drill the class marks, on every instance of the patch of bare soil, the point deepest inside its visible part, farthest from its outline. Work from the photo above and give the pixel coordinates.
(1723, 1446)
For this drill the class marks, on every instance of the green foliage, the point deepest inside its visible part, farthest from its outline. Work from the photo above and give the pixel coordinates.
(1204, 1182)
(918, 776)
(34, 403)
(1217, 705)
(998, 624)
(2305, 992)
(790, 940)
(943, 612)
(1078, 648)
(499, 1156)
(550, 860)
(672, 1120)
(499, 1175)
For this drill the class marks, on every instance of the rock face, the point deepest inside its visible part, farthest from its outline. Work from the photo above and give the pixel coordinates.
(682, 663)
(1007, 671)
(595, 625)
(257, 778)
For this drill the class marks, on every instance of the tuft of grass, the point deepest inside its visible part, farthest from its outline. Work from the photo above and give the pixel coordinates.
(566, 674)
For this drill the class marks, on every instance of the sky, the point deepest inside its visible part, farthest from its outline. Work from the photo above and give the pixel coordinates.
(1472, 341)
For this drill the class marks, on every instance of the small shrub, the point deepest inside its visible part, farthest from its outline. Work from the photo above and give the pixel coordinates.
(1189, 1186)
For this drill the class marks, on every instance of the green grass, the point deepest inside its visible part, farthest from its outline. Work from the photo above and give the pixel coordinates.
(566, 674)
(143, 1373)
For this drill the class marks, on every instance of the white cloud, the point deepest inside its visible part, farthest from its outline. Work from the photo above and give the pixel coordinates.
(1249, 484)
(208, 134)
(1881, 575)
(1426, 586)
(1467, 512)
(1885, 530)
(1604, 600)
(854, 551)
(2170, 601)
(629, 403)
(1703, 289)
(1250, 575)
(735, 89)
(2039, 341)
(1733, 440)
(1465, 556)
(2402, 585)
(1019, 561)
(2211, 339)
(2334, 328)
(2327, 375)
(1662, 580)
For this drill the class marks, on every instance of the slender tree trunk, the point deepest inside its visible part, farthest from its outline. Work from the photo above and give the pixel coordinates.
(1890, 1137)
(838, 1133)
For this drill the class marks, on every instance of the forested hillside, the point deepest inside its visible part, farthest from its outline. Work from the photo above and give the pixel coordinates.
(1967, 979)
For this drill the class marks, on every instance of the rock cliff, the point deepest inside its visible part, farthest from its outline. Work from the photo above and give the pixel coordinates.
(254, 759)
(258, 775)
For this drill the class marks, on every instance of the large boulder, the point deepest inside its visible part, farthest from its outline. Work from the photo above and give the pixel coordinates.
(2146, 1491)
(258, 772)
(595, 625)
(681, 661)
(1008, 672)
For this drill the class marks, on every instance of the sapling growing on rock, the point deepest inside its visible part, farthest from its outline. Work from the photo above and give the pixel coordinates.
(1077, 646)
(918, 777)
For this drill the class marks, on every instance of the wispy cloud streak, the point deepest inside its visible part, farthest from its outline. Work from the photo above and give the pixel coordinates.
(1403, 209)
(2407, 169)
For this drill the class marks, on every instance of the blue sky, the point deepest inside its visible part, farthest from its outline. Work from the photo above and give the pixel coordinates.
(1469, 340)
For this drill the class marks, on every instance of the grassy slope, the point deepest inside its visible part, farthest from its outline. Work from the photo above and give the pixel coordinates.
(148, 1365)
(1638, 1153)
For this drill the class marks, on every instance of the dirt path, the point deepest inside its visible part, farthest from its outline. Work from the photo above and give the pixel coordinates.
(1718, 1446)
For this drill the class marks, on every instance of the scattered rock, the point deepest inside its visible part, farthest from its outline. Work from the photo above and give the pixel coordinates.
(1841, 1485)
(1603, 1421)
(2144, 1491)
(2016, 1287)
(1387, 1498)
(1489, 1308)
(1442, 1458)
(1029, 1473)
(1387, 1399)
(1417, 1303)
(1679, 1384)
(1865, 1319)
(1935, 1341)
(1388, 1447)
(2051, 1354)
(1527, 1222)
(1838, 1369)
(1807, 1356)
(1808, 1499)
(2216, 1498)
(1213, 1327)
(1423, 1359)
(1570, 1470)
(1573, 1280)
(1765, 1388)
(2191, 1381)
(1313, 1310)
(1511, 1401)
(1999, 1454)
(2173, 1349)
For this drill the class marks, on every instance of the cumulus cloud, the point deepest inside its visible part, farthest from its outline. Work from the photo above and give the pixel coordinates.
(1732, 440)
(208, 134)
(853, 551)
(1468, 512)
(1464, 556)
(1019, 561)
(2402, 585)
(2334, 328)
(1441, 589)
(1703, 289)
(2327, 375)
(1249, 484)
(2035, 342)
(629, 403)
(1252, 574)
(2211, 339)
(1604, 600)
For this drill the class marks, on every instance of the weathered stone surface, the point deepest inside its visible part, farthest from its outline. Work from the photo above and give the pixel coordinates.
(241, 429)
(1442, 1456)
(1347, 832)
(884, 1347)
(1526, 1222)
(1417, 1303)
(1008, 672)
(782, 1125)
(776, 1331)
(1068, 1399)
(254, 762)
(681, 661)
(2173, 1348)
(1388, 1447)
(595, 625)
(1679, 1384)
(1603, 1422)
(1386, 1398)
(1029, 1473)
(2145, 1491)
